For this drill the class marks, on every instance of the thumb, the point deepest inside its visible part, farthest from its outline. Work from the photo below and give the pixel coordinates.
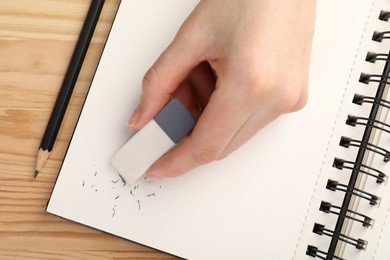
(162, 79)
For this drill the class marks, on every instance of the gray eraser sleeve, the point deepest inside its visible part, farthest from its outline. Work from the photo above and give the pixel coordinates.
(167, 128)
(175, 120)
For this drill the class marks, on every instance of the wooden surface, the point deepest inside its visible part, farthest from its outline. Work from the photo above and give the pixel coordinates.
(36, 42)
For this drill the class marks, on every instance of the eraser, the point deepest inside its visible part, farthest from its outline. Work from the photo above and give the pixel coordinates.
(157, 137)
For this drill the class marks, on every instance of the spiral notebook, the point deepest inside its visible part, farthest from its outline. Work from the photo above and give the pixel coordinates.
(311, 185)
(349, 213)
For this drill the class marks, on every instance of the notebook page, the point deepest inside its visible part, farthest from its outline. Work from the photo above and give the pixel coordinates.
(248, 206)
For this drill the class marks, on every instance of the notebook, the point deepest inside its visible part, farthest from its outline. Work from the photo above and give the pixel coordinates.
(310, 185)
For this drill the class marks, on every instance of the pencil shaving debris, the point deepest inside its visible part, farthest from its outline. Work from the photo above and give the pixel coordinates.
(123, 180)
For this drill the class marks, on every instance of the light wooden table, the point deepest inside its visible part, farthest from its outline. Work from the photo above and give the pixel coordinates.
(37, 38)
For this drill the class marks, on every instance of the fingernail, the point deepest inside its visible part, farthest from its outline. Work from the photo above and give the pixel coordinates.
(152, 178)
(134, 117)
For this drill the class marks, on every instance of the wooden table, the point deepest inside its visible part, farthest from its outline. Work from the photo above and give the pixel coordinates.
(36, 42)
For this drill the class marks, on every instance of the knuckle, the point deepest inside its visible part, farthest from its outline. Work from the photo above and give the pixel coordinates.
(256, 86)
(222, 156)
(293, 98)
(300, 104)
(206, 154)
(289, 96)
(151, 79)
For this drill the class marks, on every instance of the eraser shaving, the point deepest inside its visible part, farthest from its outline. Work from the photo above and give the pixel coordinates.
(161, 134)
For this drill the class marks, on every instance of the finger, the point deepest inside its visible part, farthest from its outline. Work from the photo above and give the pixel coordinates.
(203, 82)
(256, 122)
(185, 94)
(161, 80)
(217, 125)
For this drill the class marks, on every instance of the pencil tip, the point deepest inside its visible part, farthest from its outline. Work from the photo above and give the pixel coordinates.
(36, 173)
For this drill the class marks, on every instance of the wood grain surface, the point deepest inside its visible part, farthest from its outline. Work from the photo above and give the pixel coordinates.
(36, 43)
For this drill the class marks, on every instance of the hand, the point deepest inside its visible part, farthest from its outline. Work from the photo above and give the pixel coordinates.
(236, 65)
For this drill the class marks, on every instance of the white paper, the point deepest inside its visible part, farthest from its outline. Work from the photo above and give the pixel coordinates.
(251, 205)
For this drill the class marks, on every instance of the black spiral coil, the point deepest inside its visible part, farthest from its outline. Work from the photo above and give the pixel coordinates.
(357, 168)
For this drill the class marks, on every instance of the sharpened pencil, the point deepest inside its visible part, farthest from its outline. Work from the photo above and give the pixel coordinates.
(68, 84)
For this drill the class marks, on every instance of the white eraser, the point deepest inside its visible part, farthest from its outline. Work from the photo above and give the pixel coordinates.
(166, 129)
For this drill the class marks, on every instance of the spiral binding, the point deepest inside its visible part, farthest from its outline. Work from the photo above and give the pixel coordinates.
(343, 164)
(356, 120)
(335, 185)
(347, 142)
(359, 99)
(315, 252)
(357, 242)
(327, 208)
(357, 167)
(384, 15)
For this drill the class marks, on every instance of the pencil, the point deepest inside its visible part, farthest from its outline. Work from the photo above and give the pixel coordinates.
(68, 84)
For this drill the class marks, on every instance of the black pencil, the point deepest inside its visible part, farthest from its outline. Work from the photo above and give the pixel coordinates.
(68, 84)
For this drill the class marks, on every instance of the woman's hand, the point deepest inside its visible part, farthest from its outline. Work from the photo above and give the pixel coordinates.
(236, 65)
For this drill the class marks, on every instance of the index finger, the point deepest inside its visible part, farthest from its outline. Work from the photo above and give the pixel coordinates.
(222, 118)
